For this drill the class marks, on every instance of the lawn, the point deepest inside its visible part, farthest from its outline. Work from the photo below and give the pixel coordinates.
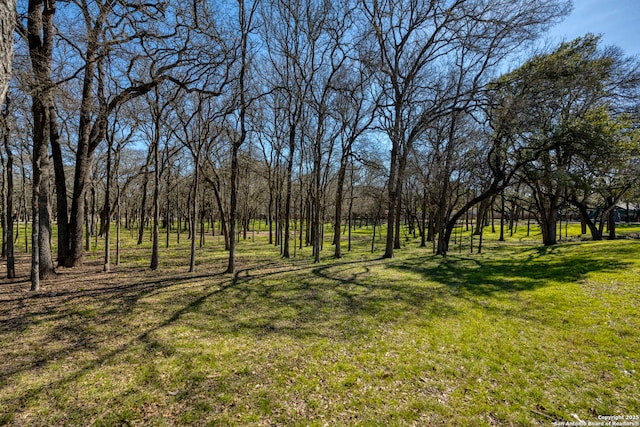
(517, 335)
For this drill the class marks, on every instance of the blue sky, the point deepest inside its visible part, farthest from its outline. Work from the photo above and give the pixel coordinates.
(617, 20)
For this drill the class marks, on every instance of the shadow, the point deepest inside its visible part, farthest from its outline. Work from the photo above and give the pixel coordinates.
(524, 269)
(295, 300)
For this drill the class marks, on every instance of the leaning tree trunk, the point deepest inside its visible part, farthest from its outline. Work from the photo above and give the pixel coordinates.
(585, 221)
(482, 209)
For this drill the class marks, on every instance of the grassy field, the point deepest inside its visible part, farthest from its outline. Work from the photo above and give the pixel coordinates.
(518, 335)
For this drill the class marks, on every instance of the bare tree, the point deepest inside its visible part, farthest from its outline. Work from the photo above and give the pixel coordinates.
(355, 113)
(124, 35)
(288, 55)
(245, 27)
(197, 129)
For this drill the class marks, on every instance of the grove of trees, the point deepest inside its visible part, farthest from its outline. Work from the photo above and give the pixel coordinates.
(305, 113)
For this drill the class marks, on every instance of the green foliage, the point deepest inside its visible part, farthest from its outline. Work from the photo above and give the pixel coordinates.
(559, 116)
(552, 97)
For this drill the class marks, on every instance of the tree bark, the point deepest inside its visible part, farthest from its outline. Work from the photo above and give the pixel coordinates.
(585, 220)
(611, 218)
(11, 273)
(7, 25)
(194, 217)
(40, 35)
(501, 238)
(392, 192)
(93, 120)
(156, 187)
(548, 225)
(107, 209)
(244, 22)
(289, 192)
(61, 187)
(143, 199)
(47, 268)
(342, 172)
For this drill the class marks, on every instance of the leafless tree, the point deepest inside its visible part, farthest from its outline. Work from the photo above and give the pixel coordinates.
(355, 112)
(246, 13)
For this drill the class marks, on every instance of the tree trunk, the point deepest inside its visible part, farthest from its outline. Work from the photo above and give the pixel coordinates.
(398, 225)
(233, 205)
(288, 194)
(38, 175)
(47, 268)
(94, 232)
(338, 207)
(501, 239)
(24, 206)
(423, 220)
(61, 187)
(3, 197)
(350, 211)
(156, 193)
(611, 223)
(107, 210)
(143, 200)
(169, 214)
(215, 184)
(11, 273)
(81, 178)
(35, 223)
(393, 197)
(194, 217)
(7, 25)
(87, 229)
(548, 224)
(482, 208)
(270, 213)
(586, 221)
(41, 32)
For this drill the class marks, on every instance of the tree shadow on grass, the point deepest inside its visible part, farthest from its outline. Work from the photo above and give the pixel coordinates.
(521, 271)
(330, 302)
(335, 302)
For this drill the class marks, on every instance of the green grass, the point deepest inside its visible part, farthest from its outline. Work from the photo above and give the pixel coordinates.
(518, 335)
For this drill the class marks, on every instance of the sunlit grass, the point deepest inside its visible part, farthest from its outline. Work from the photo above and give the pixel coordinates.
(517, 335)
